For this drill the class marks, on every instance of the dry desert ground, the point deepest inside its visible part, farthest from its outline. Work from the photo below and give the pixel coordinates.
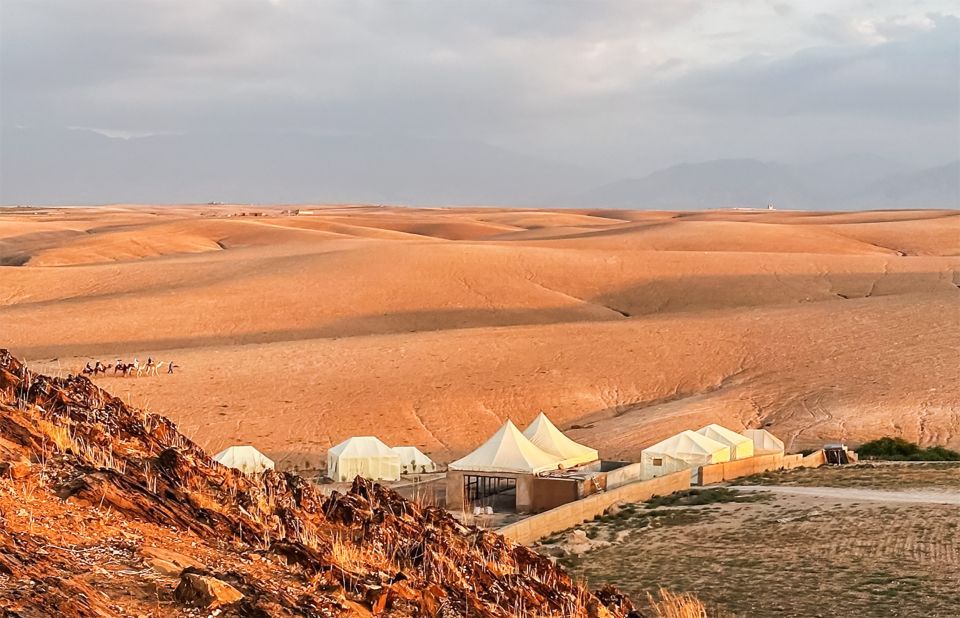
(431, 326)
(875, 541)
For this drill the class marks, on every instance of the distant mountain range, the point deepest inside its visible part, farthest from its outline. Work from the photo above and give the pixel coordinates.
(835, 184)
(82, 167)
(85, 167)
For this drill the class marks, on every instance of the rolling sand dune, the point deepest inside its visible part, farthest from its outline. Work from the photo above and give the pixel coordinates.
(431, 326)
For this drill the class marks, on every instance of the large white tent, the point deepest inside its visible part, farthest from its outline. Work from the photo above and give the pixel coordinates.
(413, 461)
(685, 450)
(545, 434)
(741, 447)
(364, 456)
(244, 458)
(764, 442)
(508, 450)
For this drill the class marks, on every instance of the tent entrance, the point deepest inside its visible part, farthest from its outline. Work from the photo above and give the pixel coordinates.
(498, 492)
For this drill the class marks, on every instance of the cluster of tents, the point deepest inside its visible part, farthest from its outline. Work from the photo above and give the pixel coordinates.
(365, 456)
(708, 445)
(539, 448)
(370, 458)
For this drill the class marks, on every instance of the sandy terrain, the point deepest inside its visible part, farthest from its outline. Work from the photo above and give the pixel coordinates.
(431, 326)
(789, 551)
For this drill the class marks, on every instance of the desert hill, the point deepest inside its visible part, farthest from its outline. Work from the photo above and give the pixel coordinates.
(432, 326)
(109, 511)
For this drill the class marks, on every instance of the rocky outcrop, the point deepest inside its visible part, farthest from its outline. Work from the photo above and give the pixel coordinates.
(265, 545)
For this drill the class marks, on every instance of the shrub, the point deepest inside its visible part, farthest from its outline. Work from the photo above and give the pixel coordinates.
(898, 449)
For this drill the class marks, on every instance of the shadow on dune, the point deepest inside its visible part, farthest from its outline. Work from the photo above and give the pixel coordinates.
(675, 296)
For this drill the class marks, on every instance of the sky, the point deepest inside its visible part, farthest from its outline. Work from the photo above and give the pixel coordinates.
(624, 86)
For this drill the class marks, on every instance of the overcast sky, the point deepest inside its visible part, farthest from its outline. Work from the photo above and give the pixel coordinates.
(621, 85)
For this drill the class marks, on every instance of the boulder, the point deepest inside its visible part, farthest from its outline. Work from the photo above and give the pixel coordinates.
(205, 591)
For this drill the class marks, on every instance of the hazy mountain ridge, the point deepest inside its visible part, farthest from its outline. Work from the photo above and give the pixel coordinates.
(86, 167)
(835, 184)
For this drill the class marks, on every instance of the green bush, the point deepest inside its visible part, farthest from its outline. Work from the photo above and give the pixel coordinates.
(898, 449)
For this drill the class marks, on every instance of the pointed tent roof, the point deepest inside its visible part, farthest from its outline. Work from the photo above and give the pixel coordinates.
(363, 446)
(543, 433)
(723, 435)
(413, 454)
(508, 450)
(687, 443)
(245, 458)
(763, 440)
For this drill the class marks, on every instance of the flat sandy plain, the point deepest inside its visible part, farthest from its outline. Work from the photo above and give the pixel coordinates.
(432, 326)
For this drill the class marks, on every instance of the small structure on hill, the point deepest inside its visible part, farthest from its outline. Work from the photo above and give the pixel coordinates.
(244, 458)
(764, 442)
(545, 434)
(686, 450)
(364, 456)
(741, 447)
(413, 461)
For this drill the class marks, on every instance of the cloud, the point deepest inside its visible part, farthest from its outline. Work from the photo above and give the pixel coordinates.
(609, 83)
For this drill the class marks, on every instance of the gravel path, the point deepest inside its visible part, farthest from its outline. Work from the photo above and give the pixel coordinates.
(916, 497)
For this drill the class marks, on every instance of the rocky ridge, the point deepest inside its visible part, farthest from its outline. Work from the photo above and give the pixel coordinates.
(108, 510)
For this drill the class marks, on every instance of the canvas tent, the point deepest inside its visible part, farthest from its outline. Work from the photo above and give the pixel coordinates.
(764, 442)
(244, 458)
(741, 447)
(545, 435)
(508, 450)
(685, 450)
(413, 461)
(364, 456)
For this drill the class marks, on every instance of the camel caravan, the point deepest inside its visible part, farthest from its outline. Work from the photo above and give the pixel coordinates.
(134, 369)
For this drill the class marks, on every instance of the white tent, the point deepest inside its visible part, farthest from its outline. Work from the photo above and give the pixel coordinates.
(764, 442)
(741, 447)
(686, 450)
(364, 456)
(413, 461)
(244, 458)
(545, 434)
(508, 450)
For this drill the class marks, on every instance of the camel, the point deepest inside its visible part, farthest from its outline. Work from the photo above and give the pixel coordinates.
(150, 368)
(96, 369)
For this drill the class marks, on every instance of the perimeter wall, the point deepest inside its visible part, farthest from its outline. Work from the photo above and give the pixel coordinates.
(534, 528)
(529, 530)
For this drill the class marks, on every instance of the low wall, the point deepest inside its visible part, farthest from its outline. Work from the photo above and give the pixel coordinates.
(531, 529)
(729, 470)
(719, 472)
(622, 476)
(813, 460)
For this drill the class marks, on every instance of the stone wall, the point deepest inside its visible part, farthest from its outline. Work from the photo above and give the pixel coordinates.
(531, 529)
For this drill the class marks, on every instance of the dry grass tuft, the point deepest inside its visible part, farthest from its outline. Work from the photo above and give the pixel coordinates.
(672, 605)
